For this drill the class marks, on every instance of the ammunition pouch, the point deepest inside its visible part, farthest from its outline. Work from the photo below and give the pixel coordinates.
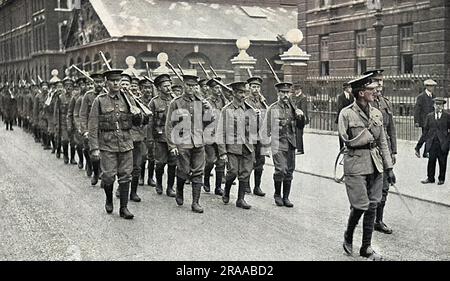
(108, 122)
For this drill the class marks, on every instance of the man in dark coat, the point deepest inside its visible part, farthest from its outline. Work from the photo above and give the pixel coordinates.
(343, 100)
(436, 138)
(10, 107)
(424, 104)
(301, 102)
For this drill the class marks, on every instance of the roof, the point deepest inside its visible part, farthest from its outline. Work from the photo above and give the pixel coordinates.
(153, 18)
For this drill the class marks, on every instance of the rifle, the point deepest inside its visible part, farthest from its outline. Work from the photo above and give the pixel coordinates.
(213, 71)
(279, 81)
(263, 99)
(105, 60)
(40, 79)
(141, 105)
(174, 71)
(82, 72)
(204, 70)
(181, 70)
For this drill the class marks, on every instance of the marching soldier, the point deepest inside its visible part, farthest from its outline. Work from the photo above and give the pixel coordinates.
(204, 88)
(78, 135)
(236, 143)
(280, 126)
(74, 135)
(255, 99)
(385, 107)
(159, 105)
(217, 101)
(36, 94)
(148, 153)
(188, 112)
(177, 90)
(361, 128)
(60, 116)
(94, 89)
(10, 107)
(110, 121)
(29, 107)
(56, 88)
(42, 116)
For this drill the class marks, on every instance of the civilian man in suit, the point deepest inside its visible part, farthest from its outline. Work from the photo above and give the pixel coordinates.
(424, 104)
(436, 138)
(343, 100)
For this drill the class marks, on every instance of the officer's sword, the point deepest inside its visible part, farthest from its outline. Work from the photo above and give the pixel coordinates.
(402, 199)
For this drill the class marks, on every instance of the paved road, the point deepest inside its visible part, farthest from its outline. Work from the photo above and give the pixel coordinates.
(50, 212)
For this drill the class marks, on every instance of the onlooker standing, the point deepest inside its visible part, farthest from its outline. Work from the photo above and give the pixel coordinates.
(343, 100)
(424, 104)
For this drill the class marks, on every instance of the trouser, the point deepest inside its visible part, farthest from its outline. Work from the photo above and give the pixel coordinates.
(436, 154)
(116, 164)
(284, 162)
(137, 159)
(191, 164)
(384, 194)
(240, 166)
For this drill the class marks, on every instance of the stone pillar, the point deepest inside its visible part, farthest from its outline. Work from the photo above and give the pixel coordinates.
(131, 61)
(295, 59)
(243, 61)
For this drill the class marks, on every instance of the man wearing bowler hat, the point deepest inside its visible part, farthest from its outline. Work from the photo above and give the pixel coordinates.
(424, 103)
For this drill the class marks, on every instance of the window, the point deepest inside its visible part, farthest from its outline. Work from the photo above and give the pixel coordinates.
(324, 3)
(406, 48)
(324, 56)
(361, 51)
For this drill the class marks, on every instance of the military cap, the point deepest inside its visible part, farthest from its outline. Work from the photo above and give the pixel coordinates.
(203, 81)
(376, 73)
(162, 78)
(241, 85)
(363, 82)
(145, 82)
(190, 79)
(439, 100)
(213, 81)
(81, 79)
(177, 86)
(113, 74)
(97, 75)
(255, 80)
(125, 76)
(43, 82)
(283, 86)
(67, 79)
(430, 82)
(135, 79)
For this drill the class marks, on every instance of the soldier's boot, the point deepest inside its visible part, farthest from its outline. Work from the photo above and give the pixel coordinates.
(46, 141)
(133, 194)
(368, 222)
(58, 148)
(109, 207)
(88, 163)
(96, 172)
(277, 195)
(171, 171)
(218, 190)
(11, 126)
(180, 187)
(142, 174)
(124, 190)
(151, 169)
(72, 154)
(240, 203)
(206, 176)
(379, 224)
(226, 193)
(353, 220)
(257, 190)
(286, 192)
(248, 189)
(80, 158)
(65, 147)
(159, 178)
(196, 189)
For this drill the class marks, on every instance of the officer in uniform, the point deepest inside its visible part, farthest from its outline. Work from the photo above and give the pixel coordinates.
(257, 101)
(385, 107)
(110, 121)
(361, 128)
(217, 101)
(236, 142)
(60, 117)
(280, 123)
(94, 89)
(147, 95)
(159, 105)
(186, 115)
(436, 137)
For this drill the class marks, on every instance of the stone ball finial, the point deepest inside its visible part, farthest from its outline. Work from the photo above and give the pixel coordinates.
(162, 58)
(54, 72)
(130, 61)
(243, 43)
(294, 36)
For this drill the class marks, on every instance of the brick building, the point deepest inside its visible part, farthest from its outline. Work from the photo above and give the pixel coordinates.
(340, 36)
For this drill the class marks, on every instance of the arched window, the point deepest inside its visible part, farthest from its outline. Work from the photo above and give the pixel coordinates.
(79, 63)
(192, 60)
(96, 64)
(147, 58)
(87, 64)
(108, 58)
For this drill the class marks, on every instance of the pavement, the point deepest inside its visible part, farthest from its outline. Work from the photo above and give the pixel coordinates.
(51, 212)
(321, 149)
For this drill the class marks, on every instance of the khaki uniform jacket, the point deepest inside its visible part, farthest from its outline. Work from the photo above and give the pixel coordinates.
(85, 109)
(280, 126)
(60, 113)
(156, 129)
(385, 106)
(358, 131)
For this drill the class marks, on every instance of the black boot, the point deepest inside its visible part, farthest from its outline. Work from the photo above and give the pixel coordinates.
(46, 141)
(159, 178)
(248, 189)
(226, 193)
(368, 223)
(218, 190)
(109, 200)
(379, 224)
(151, 169)
(206, 176)
(180, 187)
(142, 174)
(11, 126)
(257, 190)
(80, 158)
(353, 219)
(88, 163)
(53, 144)
(72, 154)
(240, 203)
(124, 212)
(65, 147)
(277, 195)
(133, 194)
(171, 170)
(96, 172)
(286, 192)
(196, 189)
